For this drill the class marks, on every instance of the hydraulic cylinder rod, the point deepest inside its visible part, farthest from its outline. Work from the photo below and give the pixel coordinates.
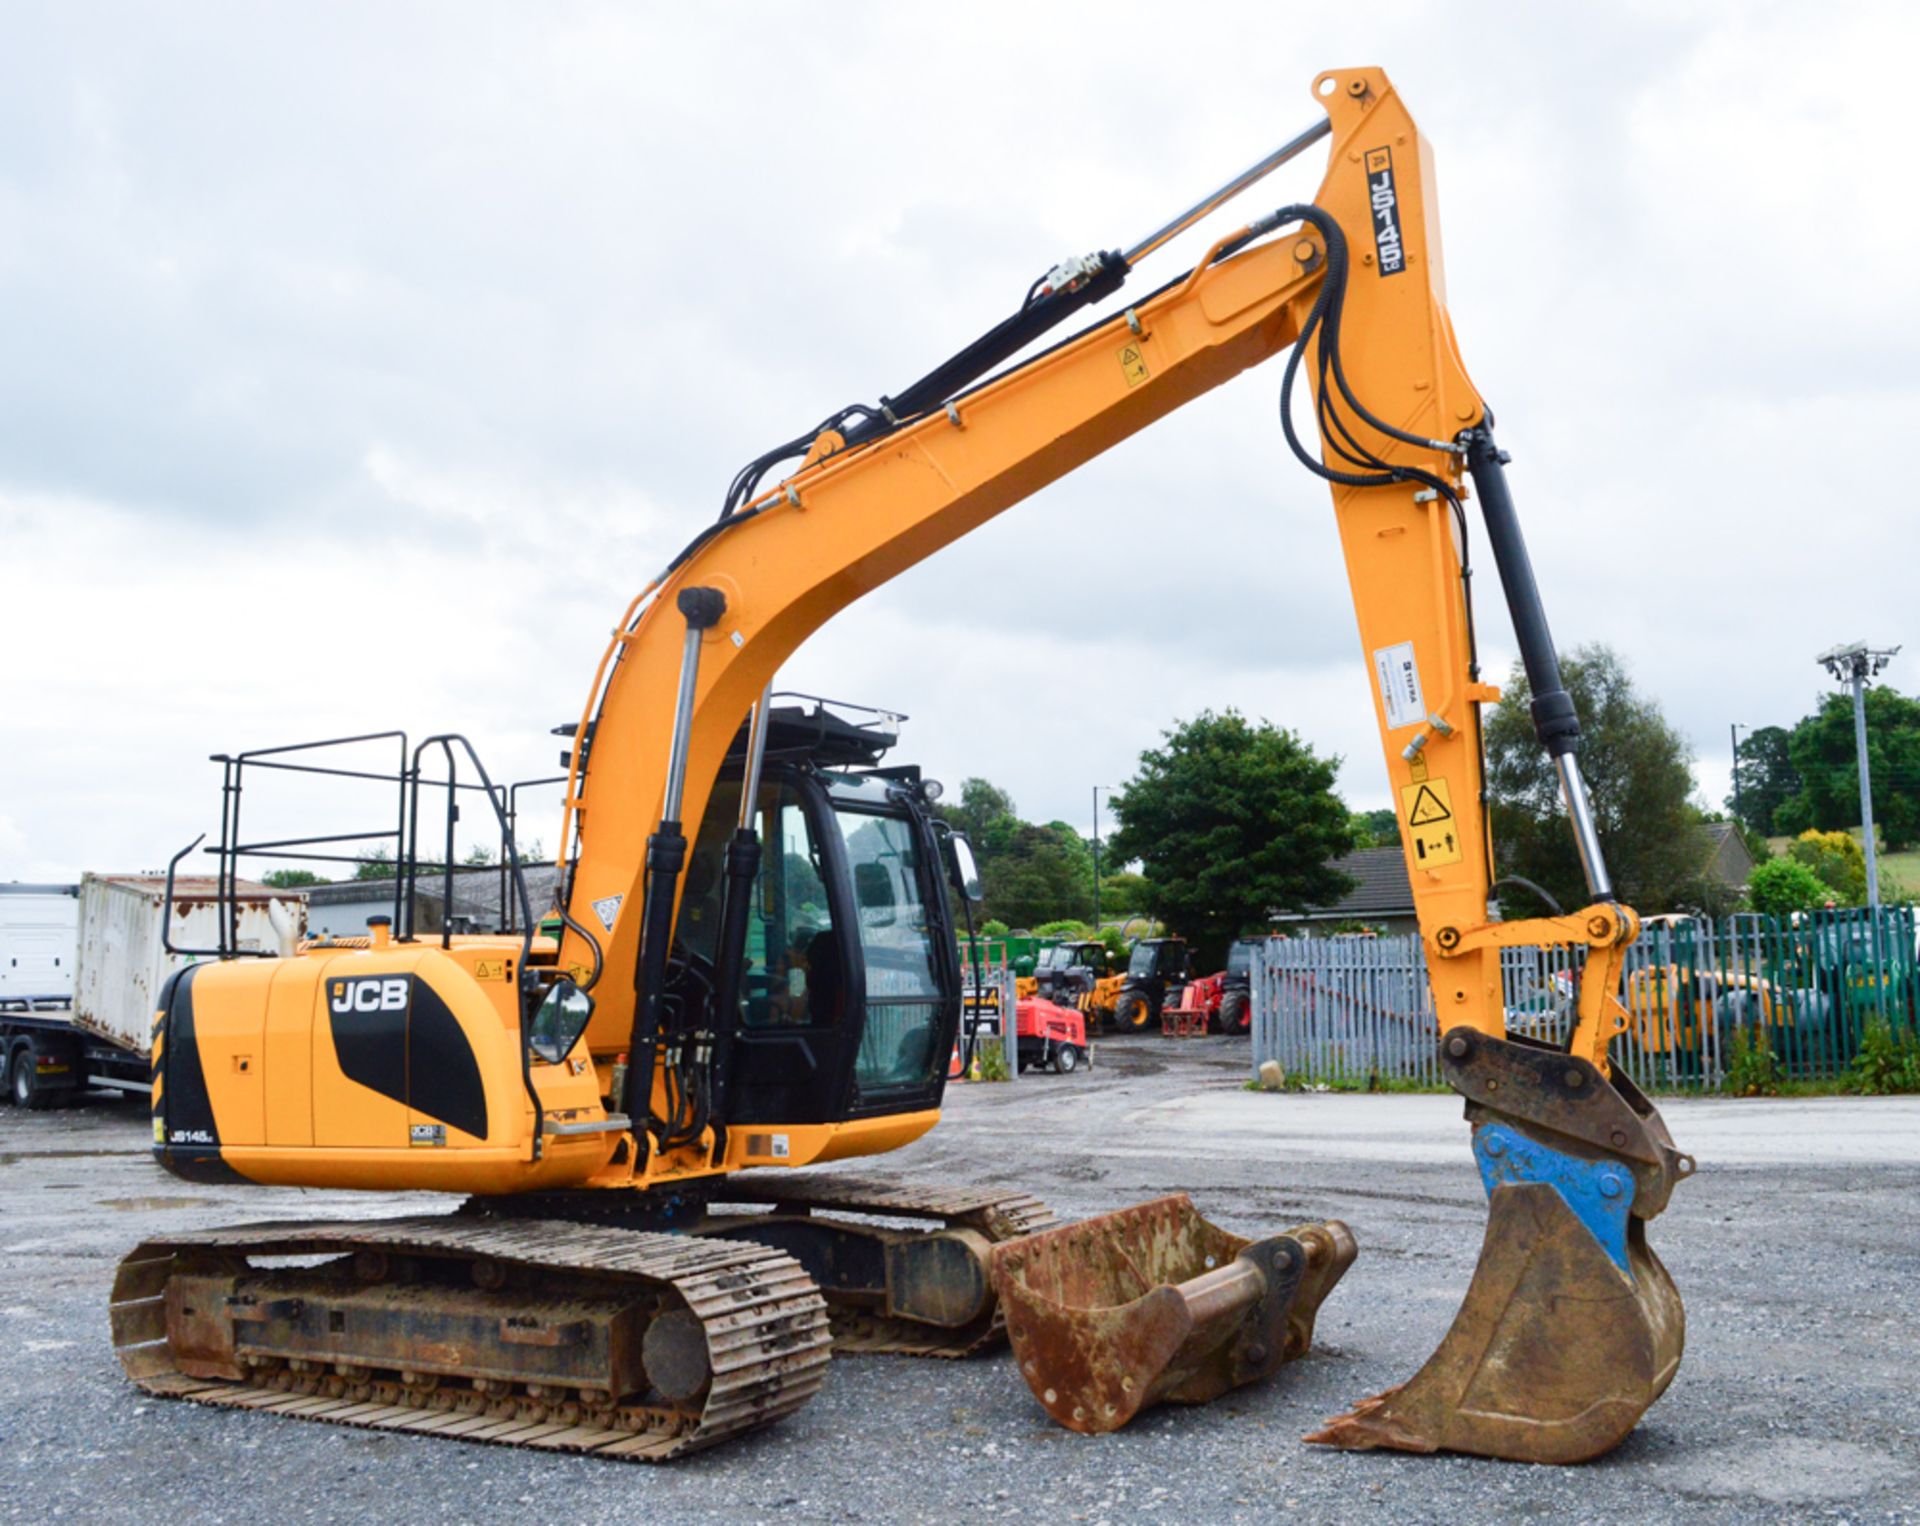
(1555, 721)
(666, 857)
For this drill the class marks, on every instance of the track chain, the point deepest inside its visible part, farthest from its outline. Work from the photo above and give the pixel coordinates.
(765, 1322)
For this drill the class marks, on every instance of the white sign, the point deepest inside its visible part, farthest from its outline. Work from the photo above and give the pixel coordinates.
(1400, 685)
(607, 908)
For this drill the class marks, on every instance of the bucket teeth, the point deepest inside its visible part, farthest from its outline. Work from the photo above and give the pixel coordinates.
(1153, 1304)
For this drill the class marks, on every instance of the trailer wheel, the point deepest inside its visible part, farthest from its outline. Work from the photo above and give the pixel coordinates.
(1233, 1012)
(23, 1081)
(1066, 1060)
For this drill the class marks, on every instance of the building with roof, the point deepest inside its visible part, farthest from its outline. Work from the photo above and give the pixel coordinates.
(1381, 897)
(343, 909)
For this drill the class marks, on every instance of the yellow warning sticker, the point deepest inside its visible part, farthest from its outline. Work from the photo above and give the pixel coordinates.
(1431, 827)
(1133, 364)
(489, 969)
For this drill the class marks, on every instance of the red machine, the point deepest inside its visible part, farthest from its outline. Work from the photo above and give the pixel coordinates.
(1050, 1034)
(1195, 1010)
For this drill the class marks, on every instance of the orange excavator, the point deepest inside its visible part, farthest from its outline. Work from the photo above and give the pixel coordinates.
(754, 970)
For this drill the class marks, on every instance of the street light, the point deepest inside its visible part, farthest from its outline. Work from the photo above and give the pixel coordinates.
(1109, 788)
(1858, 665)
(1733, 730)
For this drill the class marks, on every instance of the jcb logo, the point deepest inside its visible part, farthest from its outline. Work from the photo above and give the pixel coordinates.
(370, 993)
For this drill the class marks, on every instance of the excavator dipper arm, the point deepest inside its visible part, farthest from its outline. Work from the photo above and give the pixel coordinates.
(1571, 1327)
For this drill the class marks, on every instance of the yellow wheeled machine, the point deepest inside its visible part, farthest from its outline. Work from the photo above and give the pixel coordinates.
(783, 990)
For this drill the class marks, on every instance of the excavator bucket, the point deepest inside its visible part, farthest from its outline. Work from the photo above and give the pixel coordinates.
(1570, 1330)
(1118, 1313)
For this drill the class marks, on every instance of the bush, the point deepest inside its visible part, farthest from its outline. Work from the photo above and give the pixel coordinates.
(993, 928)
(1885, 1064)
(1782, 886)
(1753, 1069)
(990, 1059)
(1066, 928)
(1838, 859)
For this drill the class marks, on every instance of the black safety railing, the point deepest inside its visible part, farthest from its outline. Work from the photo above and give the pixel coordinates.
(398, 844)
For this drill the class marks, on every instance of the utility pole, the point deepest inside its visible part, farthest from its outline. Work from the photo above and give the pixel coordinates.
(1857, 665)
(1096, 854)
(1733, 730)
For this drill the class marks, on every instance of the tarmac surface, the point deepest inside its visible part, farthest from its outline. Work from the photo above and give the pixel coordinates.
(1796, 1249)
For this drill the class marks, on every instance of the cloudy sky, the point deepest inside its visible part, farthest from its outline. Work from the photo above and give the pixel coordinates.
(362, 360)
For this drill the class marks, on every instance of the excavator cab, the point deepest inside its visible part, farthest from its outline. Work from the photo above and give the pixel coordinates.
(849, 989)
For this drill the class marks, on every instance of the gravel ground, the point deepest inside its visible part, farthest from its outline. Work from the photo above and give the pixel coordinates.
(1797, 1249)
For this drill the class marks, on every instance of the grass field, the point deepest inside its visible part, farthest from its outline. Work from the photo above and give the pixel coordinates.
(1903, 867)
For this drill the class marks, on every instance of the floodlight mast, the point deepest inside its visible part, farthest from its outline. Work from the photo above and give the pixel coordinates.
(1857, 665)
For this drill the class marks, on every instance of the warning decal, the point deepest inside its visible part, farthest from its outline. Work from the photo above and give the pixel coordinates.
(1431, 829)
(1133, 364)
(1427, 808)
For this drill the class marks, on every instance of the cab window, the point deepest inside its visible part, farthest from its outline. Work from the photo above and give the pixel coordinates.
(903, 990)
(792, 976)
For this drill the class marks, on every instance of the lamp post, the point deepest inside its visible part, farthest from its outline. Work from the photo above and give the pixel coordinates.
(1857, 665)
(1733, 730)
(1096, 854)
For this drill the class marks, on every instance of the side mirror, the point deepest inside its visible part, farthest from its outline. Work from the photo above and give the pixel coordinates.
(561, 1020)
(966, 873)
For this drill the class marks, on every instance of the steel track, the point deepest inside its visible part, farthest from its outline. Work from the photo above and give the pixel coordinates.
(764, 1319)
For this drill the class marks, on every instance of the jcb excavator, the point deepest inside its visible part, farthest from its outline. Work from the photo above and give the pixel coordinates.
(787, 994)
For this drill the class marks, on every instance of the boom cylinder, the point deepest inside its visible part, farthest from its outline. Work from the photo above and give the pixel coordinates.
(1555, 721)
(666, 857)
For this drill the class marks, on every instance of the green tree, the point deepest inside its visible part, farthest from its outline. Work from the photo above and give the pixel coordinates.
(377, 865)
(1782, 886)
(1376, 829)
(1822, 747)
(1122, 892)
(478, 857)
(1045, 873)
(1231, 821)
(290, 879)
(1638, 771)
(986, 813)
(1767, 777)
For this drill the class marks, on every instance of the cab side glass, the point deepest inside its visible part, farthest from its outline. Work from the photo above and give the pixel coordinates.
(561, 1020)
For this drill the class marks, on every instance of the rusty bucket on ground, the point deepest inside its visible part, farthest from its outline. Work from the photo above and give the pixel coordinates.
(1153, 1304)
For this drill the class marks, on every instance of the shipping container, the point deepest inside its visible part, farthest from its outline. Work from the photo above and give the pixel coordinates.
(99, 1034)
(39, 934)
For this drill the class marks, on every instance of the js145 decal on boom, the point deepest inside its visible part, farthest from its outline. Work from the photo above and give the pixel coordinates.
(783, 990)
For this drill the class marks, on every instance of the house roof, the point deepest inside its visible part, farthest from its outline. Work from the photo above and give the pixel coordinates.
(476, 892)
(1728, 857)
(1381, 889)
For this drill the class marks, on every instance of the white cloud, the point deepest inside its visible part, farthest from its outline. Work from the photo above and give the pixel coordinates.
(363, 362)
